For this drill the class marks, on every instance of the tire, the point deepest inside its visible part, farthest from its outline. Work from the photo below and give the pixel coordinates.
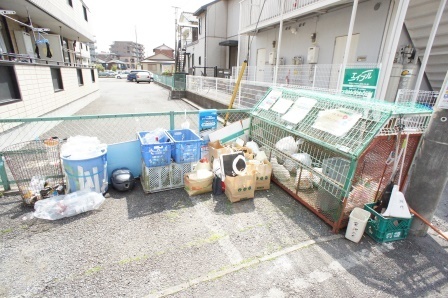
(138, 82)
(133, 80)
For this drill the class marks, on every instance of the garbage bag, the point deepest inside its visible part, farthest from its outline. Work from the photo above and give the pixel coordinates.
(68, 205)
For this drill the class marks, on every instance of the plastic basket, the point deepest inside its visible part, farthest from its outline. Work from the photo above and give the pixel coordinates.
(187, 145)
(386, 229)
(155, 154)
(155, 179)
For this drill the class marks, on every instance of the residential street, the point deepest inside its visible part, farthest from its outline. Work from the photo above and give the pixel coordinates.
(170, 244)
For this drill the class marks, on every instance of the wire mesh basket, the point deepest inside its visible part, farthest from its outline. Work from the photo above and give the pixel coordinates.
(36, 168)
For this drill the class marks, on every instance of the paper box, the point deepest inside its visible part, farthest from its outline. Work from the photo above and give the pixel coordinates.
(240, 187)
(262, 174)
(196, 186)
(215, 149)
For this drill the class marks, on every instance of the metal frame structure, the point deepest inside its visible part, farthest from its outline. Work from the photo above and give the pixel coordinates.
(341, 167)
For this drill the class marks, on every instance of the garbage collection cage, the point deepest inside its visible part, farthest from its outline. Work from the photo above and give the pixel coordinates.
(341, 147)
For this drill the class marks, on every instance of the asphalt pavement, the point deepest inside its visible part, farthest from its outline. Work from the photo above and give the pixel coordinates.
(170, 244)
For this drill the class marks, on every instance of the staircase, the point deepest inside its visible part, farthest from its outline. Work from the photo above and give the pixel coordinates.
(419, 20)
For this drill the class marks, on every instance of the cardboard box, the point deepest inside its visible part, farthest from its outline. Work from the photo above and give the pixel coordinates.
(196, 186)
(240, 187)
(215, 149)
(263, 174)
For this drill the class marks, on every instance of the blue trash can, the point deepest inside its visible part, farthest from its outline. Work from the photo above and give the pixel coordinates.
(88, 173)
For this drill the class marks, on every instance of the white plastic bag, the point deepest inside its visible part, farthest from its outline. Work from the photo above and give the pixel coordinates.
(288, 145)
(65, 206)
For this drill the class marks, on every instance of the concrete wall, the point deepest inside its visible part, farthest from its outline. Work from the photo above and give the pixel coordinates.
(38, 95)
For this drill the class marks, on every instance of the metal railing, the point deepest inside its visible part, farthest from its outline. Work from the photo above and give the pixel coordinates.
(109, 129)
(255, 12)
(310, 75)
(24, 58)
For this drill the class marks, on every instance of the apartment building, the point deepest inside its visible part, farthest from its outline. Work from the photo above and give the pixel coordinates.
(307, 42)
(45, 57)
(129, 52)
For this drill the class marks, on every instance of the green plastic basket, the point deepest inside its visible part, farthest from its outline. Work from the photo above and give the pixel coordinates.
(386, 229)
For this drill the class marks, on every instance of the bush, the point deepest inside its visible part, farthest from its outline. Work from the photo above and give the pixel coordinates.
(114, 68)
(99, 67)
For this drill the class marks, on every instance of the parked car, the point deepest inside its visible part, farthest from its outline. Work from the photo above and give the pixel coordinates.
(144, 76)
(103, 74)
(133, 73)
(122, 75)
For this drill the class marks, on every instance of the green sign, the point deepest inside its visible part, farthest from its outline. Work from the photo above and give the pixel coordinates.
(360, 81)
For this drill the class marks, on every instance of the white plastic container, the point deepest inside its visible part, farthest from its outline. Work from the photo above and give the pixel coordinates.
(357, 224)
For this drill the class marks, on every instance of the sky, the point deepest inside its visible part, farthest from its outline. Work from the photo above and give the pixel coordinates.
(152, 20)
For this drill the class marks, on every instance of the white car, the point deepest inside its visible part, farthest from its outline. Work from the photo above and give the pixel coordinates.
(144, 76)
(122, 75)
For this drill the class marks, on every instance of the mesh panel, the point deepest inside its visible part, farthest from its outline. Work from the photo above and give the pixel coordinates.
(164, 178)
(35, 159)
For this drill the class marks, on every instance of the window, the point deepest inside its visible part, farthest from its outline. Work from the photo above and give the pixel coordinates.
(80, 79)
(199, 60)
(194, 34)
(57, 79)
(200, 25)
(9, 89)
(84, 9)
(70, 3)
(92, 73)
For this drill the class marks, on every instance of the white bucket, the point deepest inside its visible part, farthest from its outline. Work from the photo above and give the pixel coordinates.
(357, 224)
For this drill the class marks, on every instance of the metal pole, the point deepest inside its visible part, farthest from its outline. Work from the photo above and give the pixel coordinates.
(347, 45)
(239, 41)
(429, 172)
(279, 46)
(435, 25)
(391, 47)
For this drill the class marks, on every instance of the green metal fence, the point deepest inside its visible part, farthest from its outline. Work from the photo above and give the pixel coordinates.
(177, 81)
(108, 129)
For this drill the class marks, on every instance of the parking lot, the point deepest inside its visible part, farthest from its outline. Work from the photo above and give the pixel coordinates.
(170, 244)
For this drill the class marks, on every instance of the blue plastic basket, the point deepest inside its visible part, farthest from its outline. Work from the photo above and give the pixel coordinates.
(187, 145)
(155, 154)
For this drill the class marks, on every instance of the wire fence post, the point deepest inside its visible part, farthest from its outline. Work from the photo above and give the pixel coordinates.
(171, 120)
(3, 175)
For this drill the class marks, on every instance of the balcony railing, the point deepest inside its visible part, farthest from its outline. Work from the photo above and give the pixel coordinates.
(24, 58)
(256, 14)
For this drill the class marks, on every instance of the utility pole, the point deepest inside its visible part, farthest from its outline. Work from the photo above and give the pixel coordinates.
(430, 170)
(176, 49)
(136, 47)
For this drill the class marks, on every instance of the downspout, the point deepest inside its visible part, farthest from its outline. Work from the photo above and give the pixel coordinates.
(279, 42)
(205, 42)
(347, 44)
(435, 25)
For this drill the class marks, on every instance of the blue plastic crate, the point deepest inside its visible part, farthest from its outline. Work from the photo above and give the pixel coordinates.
(155, 154)
(187, 145)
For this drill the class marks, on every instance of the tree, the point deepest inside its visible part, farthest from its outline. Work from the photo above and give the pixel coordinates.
(114, 68)
(99, 67)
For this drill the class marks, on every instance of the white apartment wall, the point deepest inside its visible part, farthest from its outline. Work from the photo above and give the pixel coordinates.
(369, 24)
(38, 95)
(71, 16)
(216, 31)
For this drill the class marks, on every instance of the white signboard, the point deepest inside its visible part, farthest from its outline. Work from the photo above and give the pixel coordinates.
(270, 99)
(299, 110)
(282, 105)
(336, 122)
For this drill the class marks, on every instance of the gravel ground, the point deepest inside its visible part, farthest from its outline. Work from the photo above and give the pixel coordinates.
(139, 245)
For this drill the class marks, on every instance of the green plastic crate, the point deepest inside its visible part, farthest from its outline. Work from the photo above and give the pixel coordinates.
(386, 229)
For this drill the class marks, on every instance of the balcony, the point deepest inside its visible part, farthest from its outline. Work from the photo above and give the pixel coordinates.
(268, 13)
